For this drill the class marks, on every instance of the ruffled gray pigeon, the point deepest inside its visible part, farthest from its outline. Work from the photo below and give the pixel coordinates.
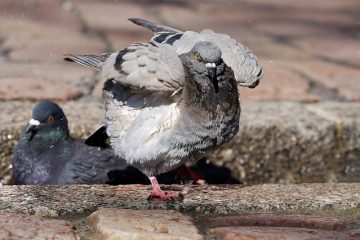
(173, 99)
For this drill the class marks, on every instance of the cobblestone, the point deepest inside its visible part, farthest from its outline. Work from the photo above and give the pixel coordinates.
(145, 224)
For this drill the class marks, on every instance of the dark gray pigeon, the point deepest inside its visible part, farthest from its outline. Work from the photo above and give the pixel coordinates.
(46, 154)
(173, 99)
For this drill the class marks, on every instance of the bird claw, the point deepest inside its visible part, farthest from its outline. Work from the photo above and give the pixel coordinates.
(200, 182)
(165, 195)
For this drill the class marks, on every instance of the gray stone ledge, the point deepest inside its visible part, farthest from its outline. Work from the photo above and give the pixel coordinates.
(80, 200)
(278, 142)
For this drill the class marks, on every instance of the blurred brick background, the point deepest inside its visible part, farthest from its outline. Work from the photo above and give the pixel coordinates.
(310, 49)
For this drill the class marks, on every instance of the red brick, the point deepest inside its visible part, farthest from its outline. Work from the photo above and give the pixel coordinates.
(344, 80)
(39, 41)
(337, 46)
(111, 16)
(13, 88)
(19, 226)
(306, 5)
(276, 233)
(303, 221)
(37, 10)
(41, 80)
(279, 83)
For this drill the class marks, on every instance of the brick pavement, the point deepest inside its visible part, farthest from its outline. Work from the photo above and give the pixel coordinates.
(302, 46)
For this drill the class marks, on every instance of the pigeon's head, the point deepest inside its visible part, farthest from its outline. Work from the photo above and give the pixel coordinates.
(207, 56)
(47, 116)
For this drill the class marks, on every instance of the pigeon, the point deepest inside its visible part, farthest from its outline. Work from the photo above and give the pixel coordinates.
(173, 99)
(47, 154)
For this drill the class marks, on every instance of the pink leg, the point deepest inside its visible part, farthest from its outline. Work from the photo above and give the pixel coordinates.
(158, 193)
(186, 172)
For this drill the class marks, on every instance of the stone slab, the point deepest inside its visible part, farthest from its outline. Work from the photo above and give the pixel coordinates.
(278, 141)
(75, 200)
(305, 145)
(143, 224)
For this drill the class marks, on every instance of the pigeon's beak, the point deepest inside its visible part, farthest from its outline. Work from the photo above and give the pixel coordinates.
(211, 67)
(32, 126)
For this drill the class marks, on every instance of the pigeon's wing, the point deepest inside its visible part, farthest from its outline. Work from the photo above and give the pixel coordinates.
(155, 27)
(90, 165)
(21, 165)
(88, 60)
(242, 61)
(140, 66)
(162, 34)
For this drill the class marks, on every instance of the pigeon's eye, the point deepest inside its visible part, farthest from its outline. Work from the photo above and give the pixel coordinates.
(51, 119)
(198, 57)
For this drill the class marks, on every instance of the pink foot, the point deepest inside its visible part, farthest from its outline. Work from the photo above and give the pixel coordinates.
(164, 195)
(200, 182)
(158, 193)
(187, 173)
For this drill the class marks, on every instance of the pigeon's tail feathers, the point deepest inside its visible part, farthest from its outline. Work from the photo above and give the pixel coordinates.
(92, 61)
(154, 26)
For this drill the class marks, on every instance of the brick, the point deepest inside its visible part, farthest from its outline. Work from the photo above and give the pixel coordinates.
(39, 41)
(19, 226)
(32, 89)
(305, 5)
(279, 83)
(341, 79)
(42, 31)
(145, 224)
(36, 10)
(337, 47)
(43, 81)
(111, 16)
(272, 220)
(275, 233)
